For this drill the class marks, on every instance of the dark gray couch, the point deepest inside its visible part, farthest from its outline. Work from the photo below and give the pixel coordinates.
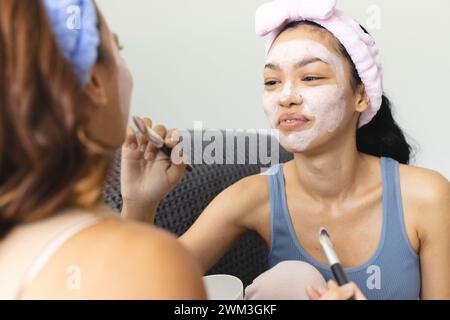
(178, 211)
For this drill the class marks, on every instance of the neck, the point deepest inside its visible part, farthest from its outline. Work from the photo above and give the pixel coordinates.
(332, 173)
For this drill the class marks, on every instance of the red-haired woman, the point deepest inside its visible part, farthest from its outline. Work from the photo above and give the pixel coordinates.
(64, 103)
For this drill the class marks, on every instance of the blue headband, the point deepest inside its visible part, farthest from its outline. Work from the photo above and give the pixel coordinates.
(74, 25)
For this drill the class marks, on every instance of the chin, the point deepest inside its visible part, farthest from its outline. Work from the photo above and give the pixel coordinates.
(294, 144)
(290, 147)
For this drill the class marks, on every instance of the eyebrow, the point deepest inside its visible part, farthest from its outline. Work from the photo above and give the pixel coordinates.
(307, 61)
(298, 65)
(272, 67)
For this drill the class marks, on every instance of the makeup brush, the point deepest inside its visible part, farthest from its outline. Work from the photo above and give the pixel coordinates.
(333, 260)
(155, 138)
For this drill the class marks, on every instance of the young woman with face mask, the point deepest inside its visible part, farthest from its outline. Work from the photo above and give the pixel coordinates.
(389, 221)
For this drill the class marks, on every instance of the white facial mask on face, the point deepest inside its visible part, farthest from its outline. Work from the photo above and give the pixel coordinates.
(325, 104)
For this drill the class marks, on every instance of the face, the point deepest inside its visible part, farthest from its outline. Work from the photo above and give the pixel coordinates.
(308, 95)
(110, 91)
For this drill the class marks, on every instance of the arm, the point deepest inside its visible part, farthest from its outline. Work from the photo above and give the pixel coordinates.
(434, 235)
(145, 181)
(228, 216)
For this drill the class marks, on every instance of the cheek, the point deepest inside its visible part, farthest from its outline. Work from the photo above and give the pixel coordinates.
(124, 81)
(125, 85)
(270, 103)
(326, 104)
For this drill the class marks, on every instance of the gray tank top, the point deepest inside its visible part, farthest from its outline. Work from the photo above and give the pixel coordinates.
(393, 272)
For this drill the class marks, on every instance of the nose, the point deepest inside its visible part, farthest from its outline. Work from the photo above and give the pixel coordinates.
(290, 96)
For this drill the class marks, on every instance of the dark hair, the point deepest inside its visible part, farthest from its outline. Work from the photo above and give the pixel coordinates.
(46, 160)
(382, 137)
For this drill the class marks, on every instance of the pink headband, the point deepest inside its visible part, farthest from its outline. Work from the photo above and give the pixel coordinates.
(273, 17)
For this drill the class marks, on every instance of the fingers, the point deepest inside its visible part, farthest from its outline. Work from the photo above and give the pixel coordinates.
(149, 150)
(335, 292)
(322, 291)
(312, 293)
(178, 157)
(160, 130)
(142, 139)
(148, 122)
(345, 292)
(142, 142)
(173, 138)
(176, 172)
(130, 147)
(332, 284)
(357, 293)
(351, 290)
(131, 140)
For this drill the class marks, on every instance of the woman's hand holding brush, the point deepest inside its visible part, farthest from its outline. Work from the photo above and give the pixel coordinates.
(148, 174)
(335, 292)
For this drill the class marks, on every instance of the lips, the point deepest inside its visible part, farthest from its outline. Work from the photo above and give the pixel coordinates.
(292, 122)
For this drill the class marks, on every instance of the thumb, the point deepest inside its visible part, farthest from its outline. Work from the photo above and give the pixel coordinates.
(178, 164)
(338, 293)
(357, 293)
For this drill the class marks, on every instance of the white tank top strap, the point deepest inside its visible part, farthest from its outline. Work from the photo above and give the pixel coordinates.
(29, 247)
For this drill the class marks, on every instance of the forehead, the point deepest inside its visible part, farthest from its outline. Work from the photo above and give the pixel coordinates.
(302, 40)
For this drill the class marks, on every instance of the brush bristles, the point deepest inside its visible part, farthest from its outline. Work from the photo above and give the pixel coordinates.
(324, 237)
(323, 232)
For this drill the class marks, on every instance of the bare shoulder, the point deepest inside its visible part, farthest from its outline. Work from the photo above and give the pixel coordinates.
(245, 193)
(241, 207)
(424, 185)
(253, 188)
(117, 259)
(245, 198)
(427, 195)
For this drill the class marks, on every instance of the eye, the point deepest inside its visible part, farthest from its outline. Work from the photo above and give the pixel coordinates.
(270, 83)
(312, 78)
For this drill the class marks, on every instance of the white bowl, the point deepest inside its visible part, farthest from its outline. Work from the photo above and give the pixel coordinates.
(223, 287)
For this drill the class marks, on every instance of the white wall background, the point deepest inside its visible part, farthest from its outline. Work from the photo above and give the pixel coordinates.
(200, 60)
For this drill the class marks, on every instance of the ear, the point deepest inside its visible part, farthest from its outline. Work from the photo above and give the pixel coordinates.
(362, 99)
(95, 89)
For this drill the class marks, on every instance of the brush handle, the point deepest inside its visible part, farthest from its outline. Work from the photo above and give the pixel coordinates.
(340, 276)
